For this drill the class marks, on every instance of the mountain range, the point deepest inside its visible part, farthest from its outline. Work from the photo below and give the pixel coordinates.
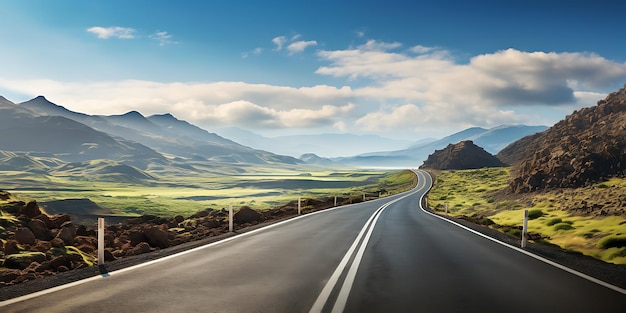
(492, 140)
(40, 136)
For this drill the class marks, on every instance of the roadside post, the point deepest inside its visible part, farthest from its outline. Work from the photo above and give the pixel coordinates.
(299, 205)
(363, 197)
(525, 230)
(335, 200)
(100, 241)
(445, 205)
(230, 218)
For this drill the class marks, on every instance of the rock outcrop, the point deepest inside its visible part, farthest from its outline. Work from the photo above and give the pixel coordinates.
(460, 156)
(587, 146)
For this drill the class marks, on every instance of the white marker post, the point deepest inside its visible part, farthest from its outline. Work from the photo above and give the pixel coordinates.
(335, 200)
(230, 218)
(363, 197)
(100, 241)
(299, 206)
(525, 230)
(445, 205)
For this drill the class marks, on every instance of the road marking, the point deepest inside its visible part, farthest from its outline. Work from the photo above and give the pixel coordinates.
(93, 278)
(346, 287)
(532, 255)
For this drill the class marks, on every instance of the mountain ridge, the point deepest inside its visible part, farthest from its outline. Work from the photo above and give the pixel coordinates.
(585, 147)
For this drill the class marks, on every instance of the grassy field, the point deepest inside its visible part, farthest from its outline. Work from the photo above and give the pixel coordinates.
(554, 214)
(172, 195)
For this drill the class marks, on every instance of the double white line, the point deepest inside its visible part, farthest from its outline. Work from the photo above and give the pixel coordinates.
(361, 243)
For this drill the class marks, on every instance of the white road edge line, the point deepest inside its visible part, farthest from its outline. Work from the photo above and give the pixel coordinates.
(86, 280)
(532, 255)
(339, 305)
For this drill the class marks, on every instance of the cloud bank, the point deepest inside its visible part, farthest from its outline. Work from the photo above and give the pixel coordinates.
(389, 89)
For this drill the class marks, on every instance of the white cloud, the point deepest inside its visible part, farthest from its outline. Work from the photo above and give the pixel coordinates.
(256, 51)
(279, 42)
(445, 92)
(114, 32)
(163, 38)
(299, 46)
(221, 103)
(421, 49)
(293, 45)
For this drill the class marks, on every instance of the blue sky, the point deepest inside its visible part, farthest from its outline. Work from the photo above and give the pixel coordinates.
(401, 69)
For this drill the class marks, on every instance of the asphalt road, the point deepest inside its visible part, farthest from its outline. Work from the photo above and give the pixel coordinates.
(385, 255)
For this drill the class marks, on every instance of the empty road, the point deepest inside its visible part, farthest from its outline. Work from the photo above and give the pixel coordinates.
(385, 255)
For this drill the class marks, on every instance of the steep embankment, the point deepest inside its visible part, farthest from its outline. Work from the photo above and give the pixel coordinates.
(587, 146)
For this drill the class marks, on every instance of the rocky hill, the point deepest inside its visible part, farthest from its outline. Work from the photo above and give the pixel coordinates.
(587, 146)
(460, 156)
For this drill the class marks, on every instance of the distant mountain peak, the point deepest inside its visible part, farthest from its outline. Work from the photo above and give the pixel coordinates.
(133, 114)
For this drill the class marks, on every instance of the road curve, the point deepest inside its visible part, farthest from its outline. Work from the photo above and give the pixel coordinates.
(385, 255)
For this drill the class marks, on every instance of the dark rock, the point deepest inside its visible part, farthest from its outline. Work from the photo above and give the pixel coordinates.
(11, 247)
(136, 236)
(108, 256)
(45, 219)
(156, 237)
(23, 260)
(9, 275)
(39, 229)
(58, 262)
(142, 247)
(67, 233)
(247, 215)
(57, 243)
(31, 209)
(24, 235)
(58, 220)
(4, 195)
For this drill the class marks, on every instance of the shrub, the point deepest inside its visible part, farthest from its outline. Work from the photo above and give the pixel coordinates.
(612, 242)
(554, 221)
(563, 226)
(533, 214)
(491, 200)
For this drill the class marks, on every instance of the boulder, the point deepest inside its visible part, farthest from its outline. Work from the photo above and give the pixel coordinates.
(142, 247)
(11, 247)
(58, 220)
(247, 215)
(67, 233)
(39, 229)
(156, 237)
(44, 218)
(24, 235)
(31, 209)
(23, 260)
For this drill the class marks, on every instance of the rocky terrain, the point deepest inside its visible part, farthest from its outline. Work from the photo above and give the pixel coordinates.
(460, 156)
(586, 147)
(34, 244)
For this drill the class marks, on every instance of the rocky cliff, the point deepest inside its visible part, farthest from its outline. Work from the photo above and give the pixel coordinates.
(587, 146)
(463, 155)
